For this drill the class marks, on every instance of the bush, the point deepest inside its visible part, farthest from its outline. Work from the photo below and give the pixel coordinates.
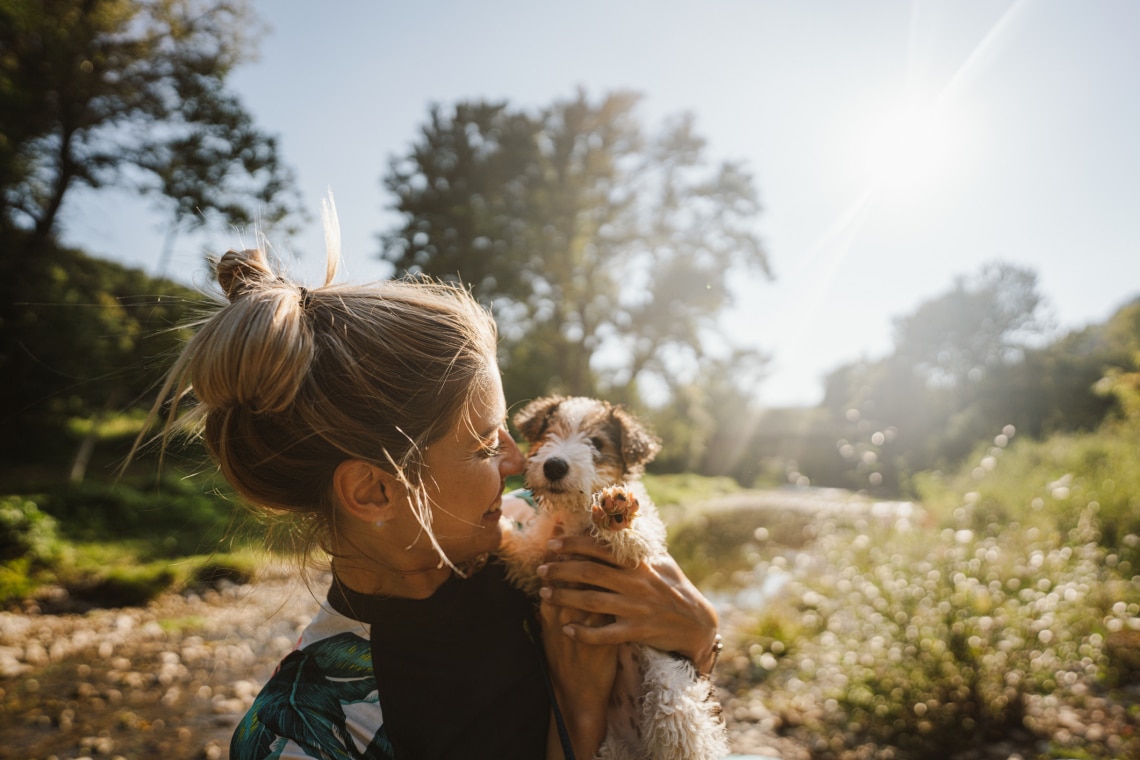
(176, 517)
(26, 532)
(933, 642)
(126, 586)
(1049, 484)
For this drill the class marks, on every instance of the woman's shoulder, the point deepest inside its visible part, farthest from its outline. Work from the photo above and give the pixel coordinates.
(327, 623)
(321, 696)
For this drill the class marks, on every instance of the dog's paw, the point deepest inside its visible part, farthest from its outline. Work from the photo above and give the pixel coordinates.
(614, 508)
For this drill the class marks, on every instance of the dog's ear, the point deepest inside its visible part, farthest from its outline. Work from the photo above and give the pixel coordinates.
(638, 445)
(533, 418)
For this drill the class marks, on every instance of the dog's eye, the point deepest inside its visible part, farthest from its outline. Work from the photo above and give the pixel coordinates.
(597, 443)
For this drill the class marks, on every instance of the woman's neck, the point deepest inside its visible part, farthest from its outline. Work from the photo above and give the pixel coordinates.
(368, 576)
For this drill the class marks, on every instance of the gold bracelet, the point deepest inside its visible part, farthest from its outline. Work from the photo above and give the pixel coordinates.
(717, 648)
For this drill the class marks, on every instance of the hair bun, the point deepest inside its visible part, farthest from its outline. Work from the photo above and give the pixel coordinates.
(240, 272)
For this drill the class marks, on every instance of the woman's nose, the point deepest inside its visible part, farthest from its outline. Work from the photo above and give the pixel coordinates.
(512, 460)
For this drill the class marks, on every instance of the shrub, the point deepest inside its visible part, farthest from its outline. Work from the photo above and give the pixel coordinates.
(26, 532)
(176, 516)
(1048, 484)
(126, 586)
(932, 642)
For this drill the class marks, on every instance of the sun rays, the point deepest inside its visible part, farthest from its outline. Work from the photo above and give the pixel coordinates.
(906, 153)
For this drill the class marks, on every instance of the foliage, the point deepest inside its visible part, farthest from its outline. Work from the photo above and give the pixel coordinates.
(1049, 484)
(709, 425)
(132, 93)
(931, 634)
(712, 544)
(979, 324)
(935, 642)
(582, 231)
(81, 338)
(26, 532)
(686, 488)
(121, 544)
(175, 516)
(961, 368)
(130, 585)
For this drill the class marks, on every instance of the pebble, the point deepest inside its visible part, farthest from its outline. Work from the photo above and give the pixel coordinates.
(168, 680)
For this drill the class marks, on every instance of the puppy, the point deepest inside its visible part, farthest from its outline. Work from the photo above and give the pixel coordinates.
(582, 467)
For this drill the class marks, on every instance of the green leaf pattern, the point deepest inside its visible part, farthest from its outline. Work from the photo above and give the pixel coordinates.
(301, 712)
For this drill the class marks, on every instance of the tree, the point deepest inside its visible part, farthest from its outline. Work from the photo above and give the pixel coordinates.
(981, 323)
(582, 232)
(87, 337)
(710, 424)
(133, 93)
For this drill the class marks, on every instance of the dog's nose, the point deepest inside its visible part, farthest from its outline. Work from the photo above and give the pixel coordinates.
(555, 468)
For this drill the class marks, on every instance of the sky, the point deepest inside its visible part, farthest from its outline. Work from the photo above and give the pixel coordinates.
(895, 145)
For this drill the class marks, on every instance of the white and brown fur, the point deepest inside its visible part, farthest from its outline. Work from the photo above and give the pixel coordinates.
(583, 465)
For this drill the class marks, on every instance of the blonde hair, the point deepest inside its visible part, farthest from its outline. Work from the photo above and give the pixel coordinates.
(284, 383)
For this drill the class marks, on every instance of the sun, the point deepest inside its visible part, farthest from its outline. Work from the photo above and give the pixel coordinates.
(913, 147)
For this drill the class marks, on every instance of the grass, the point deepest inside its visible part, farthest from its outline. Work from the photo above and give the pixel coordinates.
(122, 543)
(687, 489)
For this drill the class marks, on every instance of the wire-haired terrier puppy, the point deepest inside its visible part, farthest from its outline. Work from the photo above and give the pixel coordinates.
(582, 467)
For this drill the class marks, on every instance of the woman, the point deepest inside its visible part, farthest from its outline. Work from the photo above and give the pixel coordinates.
(376, 416)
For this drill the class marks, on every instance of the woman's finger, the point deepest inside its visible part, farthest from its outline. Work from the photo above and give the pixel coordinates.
(616, 632)
(596, 601)
(590, 573)
(584, 546)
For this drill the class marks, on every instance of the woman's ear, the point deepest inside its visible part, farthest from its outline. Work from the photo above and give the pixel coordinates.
(366, 492)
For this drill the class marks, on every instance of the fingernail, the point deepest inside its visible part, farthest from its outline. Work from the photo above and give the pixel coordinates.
(545, 592)
(542, 570)
(554, 544)
(568, 630)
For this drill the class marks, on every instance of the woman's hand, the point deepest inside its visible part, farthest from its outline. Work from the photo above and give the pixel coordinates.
(653, 603)
(582, 676)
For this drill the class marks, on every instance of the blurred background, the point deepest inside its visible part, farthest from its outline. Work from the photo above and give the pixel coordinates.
(839, 255)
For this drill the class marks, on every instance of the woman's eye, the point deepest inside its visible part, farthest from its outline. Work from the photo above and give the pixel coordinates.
(490, 452)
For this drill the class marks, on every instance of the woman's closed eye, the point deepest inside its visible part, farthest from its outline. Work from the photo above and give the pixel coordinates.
(493, 448)
(491, 451)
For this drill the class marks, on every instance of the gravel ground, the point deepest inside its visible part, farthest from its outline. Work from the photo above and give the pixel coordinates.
(169, 680)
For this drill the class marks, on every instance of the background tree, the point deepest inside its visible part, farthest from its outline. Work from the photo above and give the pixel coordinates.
(583, 232)
(981, 323)
(89, 338)
(963, 368)
(131, 93)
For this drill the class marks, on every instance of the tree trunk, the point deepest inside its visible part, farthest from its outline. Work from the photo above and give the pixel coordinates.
(87, 445)
(65, 172)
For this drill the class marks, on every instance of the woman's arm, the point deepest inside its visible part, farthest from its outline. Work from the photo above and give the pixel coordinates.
(653, 603)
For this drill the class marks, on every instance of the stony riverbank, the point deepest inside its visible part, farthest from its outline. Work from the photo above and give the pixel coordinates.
(169, 680)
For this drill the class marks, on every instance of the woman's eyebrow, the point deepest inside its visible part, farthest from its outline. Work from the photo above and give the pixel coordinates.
(493, 430)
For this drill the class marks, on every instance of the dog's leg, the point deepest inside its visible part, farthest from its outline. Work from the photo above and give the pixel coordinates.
(680, 718)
